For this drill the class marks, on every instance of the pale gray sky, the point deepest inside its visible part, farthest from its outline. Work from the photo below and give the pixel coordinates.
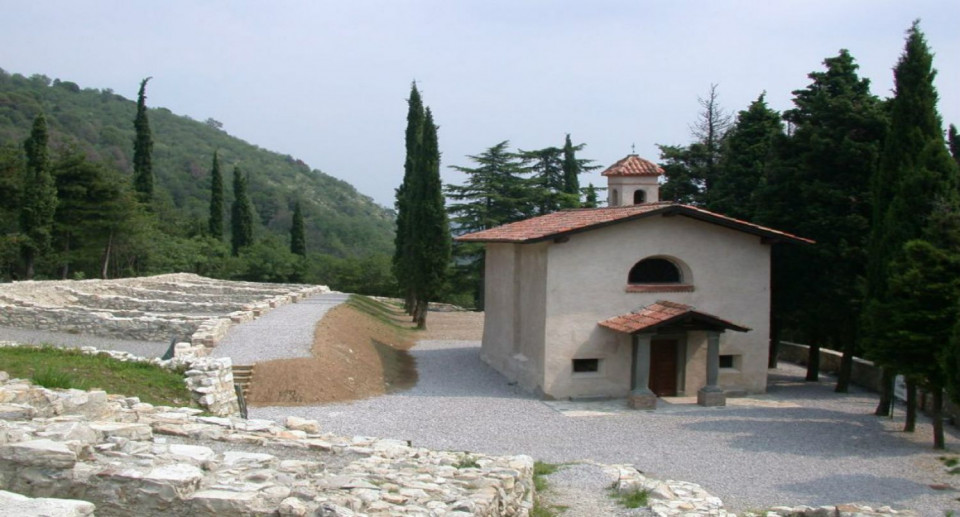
(326, 82)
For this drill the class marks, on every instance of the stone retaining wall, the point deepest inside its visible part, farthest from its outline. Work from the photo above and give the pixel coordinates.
(865, 373)
(128, 457)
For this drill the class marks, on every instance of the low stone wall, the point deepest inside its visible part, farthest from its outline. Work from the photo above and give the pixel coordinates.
(209, 380)
(865, 374)
(179, 307)
(121, 455)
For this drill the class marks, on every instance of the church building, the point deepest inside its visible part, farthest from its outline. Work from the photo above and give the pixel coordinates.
(639, 299)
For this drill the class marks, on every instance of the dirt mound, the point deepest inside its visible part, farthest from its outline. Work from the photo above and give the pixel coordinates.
(355, 356)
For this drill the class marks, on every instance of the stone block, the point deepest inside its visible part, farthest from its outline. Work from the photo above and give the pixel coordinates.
(23, 506)
(222, 502)
(642, 401)
(122, 430)
(302, 424)
(711, 398)
(16, 412)
(41, 453)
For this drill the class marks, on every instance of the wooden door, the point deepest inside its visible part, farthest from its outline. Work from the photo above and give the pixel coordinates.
(663, 367)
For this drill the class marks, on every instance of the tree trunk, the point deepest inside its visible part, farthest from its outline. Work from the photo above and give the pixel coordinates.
(910, 422)
(846, 367)
(29, 256)
(813, 363)
(106, 256)
(774, 343)
(65, 269)
(937, 415)
(886, 392)
(421, 314)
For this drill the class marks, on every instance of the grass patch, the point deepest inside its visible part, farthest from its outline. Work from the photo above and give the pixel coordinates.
(67, 368)
(952, 464)
(632, 499)
(382, 312)
(540, 472)
(467, 462)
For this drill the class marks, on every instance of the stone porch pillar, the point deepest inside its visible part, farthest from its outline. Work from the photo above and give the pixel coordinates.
(640, 395)
(711, 394)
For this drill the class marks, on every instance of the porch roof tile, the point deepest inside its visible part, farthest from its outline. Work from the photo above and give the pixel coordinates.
(662, 313)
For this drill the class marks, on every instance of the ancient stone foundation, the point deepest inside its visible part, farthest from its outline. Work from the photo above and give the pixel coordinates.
(176, 307)
(126, 457)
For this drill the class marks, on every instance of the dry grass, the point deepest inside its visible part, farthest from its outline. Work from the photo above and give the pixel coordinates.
(359, 351)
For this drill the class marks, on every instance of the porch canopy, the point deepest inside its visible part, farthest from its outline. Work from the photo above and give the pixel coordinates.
(646, 321)
(668, 314)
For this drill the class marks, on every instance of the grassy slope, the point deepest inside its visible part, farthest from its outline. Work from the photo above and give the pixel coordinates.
(339, 220)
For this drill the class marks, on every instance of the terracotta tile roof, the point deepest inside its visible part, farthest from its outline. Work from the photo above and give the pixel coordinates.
(565, 222)
(664, 313)
(633, 165)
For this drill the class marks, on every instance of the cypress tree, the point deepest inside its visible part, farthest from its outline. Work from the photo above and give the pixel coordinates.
(298, 242)
(915, 176)
(431, 242)
(748, 150)
(216, 199)
(402, 258)
(241, 222)
(590, 196)
(834, 149)
(953, 141)
(39, 198)
(571, 169)
(142, 149)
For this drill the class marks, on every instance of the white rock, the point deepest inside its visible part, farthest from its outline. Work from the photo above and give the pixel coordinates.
(46, 453)
(22, 506)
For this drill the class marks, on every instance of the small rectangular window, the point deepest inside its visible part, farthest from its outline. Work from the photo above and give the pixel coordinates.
(727, 361)
(586, 365)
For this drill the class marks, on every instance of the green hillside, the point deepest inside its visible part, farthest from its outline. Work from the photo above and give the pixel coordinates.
(339, 221)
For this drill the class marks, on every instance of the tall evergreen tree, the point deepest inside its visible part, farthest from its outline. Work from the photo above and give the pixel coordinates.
(143, 149)
(748, 151)
(402, 258)
(494, 194)
(590, 197)
(298, 242)
(571, 171)
(431, 240)
(834, 150)
(39, 198)
(690, 170)
(916, 174)
(215, 226)
(241, 223)
(547, 181)
(953, 141)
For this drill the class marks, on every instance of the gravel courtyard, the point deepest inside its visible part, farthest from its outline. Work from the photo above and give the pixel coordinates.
(799, 444)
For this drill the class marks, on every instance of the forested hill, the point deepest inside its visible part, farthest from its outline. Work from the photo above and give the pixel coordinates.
(338, 220)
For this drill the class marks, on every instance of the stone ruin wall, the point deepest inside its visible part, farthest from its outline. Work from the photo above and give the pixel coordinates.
(176, 307)
(120, 454)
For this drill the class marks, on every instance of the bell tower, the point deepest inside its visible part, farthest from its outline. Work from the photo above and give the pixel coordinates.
(633, 181)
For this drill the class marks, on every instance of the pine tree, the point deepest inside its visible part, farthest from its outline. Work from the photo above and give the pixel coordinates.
(298, 242)
(916, 174)
(241, 222)
(215, 226)
(402, 258)
(690, 170)
(748, 150)
(494, 194)
(431, 241)
(143, 149)
(547, 180)
(39, 198)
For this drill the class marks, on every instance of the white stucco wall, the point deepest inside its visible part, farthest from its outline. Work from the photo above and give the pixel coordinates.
(586, 280)
(626, 185)
(515, 287)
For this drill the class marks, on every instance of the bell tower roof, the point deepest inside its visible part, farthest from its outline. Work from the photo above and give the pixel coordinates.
(633, 165)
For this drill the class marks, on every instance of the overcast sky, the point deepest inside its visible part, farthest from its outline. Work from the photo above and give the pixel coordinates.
(326, 82)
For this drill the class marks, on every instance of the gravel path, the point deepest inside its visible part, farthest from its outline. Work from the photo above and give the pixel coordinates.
(66, 339)
(816, 448)
(283, 333)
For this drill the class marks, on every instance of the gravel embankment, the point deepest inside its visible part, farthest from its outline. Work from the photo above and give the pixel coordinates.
(283, 333)
(816, 448)
(66, 339)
